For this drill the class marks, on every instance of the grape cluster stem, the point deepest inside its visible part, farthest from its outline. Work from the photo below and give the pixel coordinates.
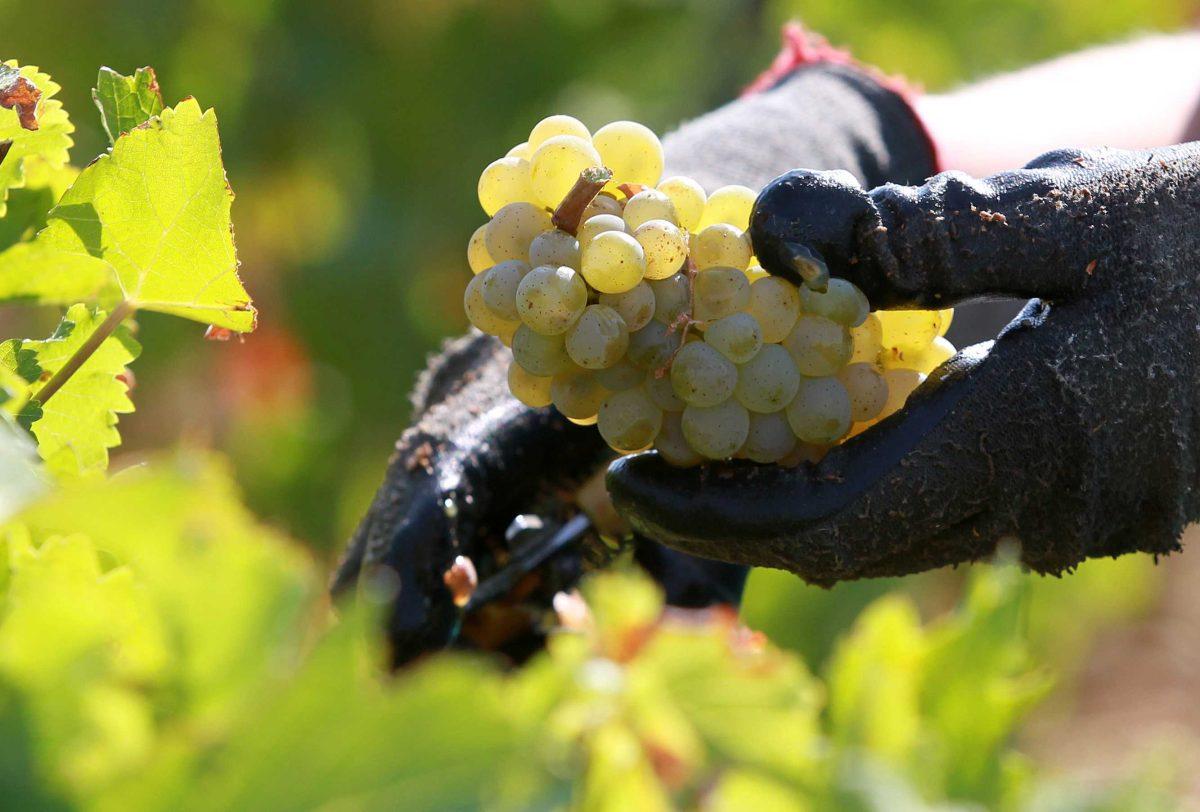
(569, 213)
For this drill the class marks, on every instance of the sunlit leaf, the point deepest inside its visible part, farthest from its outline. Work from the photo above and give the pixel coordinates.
(157, 210)
(29, 205)
(39, 273)
(126, 101)
(51, 141)
(78, 425)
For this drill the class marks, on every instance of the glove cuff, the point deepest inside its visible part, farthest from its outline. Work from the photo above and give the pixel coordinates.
(894, 95)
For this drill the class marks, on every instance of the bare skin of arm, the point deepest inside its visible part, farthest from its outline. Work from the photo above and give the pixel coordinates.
(1133, 95)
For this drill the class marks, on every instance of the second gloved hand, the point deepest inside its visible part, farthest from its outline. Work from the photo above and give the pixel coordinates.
(1074, 435)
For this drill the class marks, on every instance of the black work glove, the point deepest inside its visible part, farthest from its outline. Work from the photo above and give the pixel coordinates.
(475, 457)
(1073, 435)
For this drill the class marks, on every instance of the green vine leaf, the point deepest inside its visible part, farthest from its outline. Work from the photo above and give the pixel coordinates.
(157, 209)
(50, 137)
(126, 102)
(37, 273)
(29, 206)
(75, 428)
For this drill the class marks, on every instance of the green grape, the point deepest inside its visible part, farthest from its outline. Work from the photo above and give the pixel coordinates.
(651, 346)
(868, 341)
(776, 305)
(820, 412)
(665, 246)
(532, 390)
(613, 262)
(478, 313)
(818, 346)
(512, 229)
(635, 305)
(721, 245)
(629, 420)
(925, 360)
(900, 384)
(505, 181)
(499, 287)
(540, 355)
(720, 292)
(687, 197)
(909, 330)
(672, 446)
(737, 337)
(577, 394)
(662, 392)
(649, 204)
(552, 126)
(521, 150)
(556, 165)
(595, 226)
(729, 204)
(768, 382)
(620, 376)
(584, 421)
(841, 302)
(769, 439)
(550, 299)
(672, 297)
(478, 257)
(598, 339)
(555, 248)
(631, 150)
(716, 432)
(867, 389)
(702, 376)
(602, 204)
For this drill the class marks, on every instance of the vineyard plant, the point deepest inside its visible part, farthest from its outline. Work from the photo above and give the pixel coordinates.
(161, 648)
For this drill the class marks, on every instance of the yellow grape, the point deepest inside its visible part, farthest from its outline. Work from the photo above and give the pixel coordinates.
(598, 224)
(553, 126)
(532, 390)
(867, 389)
(776, 305)
(556, 165)
(505, 181)
(479, 314)
(577, 394)
(478, 257)
(649, 204)
(672, 446)
(632, 151)
(868, 340)
(924, 360)
(687, 197)
(550, 299)
(721, 245)
(729, 204)
(629, 420)
(513, 228)
(665, 246)
(820, 412)
(909, 330)
(613, 262)
(521, 150)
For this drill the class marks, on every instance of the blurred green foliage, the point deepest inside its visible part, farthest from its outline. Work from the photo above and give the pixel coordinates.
(354, 134)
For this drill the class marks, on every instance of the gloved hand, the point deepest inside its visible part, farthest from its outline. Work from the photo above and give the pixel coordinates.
(475, 458)
(1073, 435)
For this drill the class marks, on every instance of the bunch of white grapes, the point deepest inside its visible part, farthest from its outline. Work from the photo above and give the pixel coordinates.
(649, 316)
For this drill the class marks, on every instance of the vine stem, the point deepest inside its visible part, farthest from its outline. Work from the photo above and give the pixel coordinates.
(107, 327)
(568, 214)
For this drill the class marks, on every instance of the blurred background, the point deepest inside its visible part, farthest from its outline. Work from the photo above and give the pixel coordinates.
(354, 134)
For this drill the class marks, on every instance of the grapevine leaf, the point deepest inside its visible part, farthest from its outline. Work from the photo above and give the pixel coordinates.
(18, 371)
(29, 205)
(38, 273)
(77, 427)
(126, 102)
(48, 138)
(157, 210)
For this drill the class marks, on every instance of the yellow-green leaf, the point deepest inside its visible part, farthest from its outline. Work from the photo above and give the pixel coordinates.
(78, 425)
(157, 210)
(51, 140)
